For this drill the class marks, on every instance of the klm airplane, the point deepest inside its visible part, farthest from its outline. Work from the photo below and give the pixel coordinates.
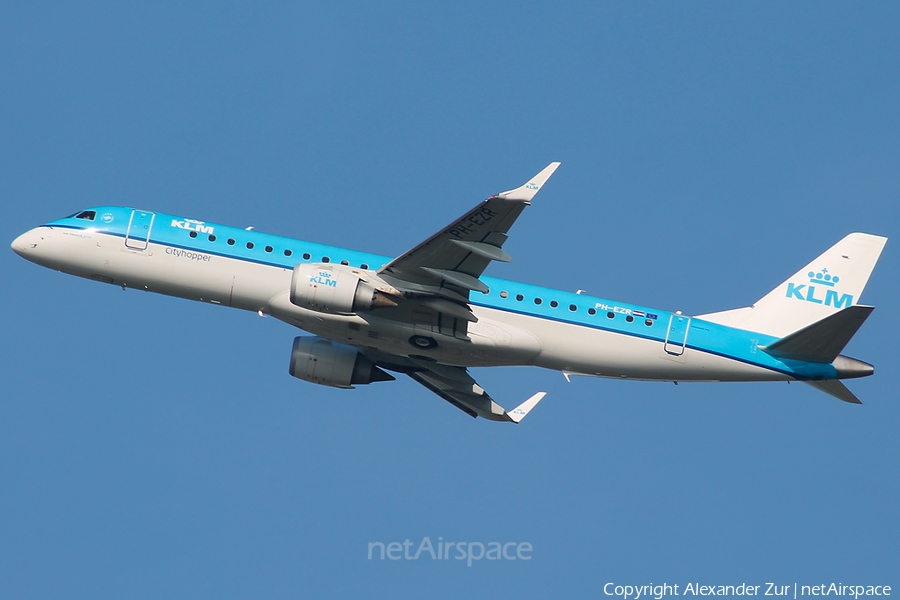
(430, 313)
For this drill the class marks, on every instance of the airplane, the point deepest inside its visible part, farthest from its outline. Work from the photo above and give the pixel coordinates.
(431, 314)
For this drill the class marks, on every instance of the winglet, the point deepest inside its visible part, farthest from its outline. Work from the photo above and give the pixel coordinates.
(519, 412)
(527, 191)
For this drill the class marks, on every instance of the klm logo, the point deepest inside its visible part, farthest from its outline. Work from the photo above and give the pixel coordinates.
(323, 278)
(817, 291)
(191, 225)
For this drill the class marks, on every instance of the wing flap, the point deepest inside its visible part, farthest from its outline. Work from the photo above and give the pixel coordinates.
(485, 250)
(459, 279)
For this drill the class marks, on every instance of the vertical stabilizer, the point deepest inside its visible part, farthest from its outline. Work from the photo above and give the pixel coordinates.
(832, 282)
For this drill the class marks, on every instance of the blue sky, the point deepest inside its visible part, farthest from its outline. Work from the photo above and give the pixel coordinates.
(153, 447)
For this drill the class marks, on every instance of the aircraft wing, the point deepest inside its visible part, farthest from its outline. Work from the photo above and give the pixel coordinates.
(449, 263)
(456, 386)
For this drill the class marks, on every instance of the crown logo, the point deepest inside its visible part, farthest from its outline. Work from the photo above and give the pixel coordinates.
(823, 278)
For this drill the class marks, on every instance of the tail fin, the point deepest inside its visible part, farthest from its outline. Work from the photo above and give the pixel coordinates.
(833, 281)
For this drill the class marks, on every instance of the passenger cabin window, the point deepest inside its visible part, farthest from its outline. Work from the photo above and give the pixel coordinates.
(592, 311)
(537, 300)
(288, 252)
(573, 308)
(307, 256)
(364, 266)
(230, 241)
(554, 304)
(520, 297)
(212, 238)
(326, 259)
(193, 234)
(629, 318)
(249, 245)
(87, 214)
(504, 294)
(269, 248)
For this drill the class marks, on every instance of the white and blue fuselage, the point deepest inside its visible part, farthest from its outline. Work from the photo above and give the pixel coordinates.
(430, 313)
(518, 324)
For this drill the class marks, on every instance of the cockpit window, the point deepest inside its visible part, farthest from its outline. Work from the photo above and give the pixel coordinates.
(87, 214)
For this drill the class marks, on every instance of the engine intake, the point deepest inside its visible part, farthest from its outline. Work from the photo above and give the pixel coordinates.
(334, 289)
(322, 361)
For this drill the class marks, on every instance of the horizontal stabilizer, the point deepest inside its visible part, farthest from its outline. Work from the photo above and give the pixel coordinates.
(835, 388)
(822, 341)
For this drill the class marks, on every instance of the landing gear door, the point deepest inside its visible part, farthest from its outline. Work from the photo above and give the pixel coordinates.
(676, 335)
(139, 227)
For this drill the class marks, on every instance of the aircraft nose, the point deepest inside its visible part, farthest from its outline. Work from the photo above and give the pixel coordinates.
(26, 242)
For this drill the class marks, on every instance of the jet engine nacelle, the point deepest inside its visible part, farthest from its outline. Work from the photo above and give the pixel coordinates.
(322, 361)
(333, 289)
